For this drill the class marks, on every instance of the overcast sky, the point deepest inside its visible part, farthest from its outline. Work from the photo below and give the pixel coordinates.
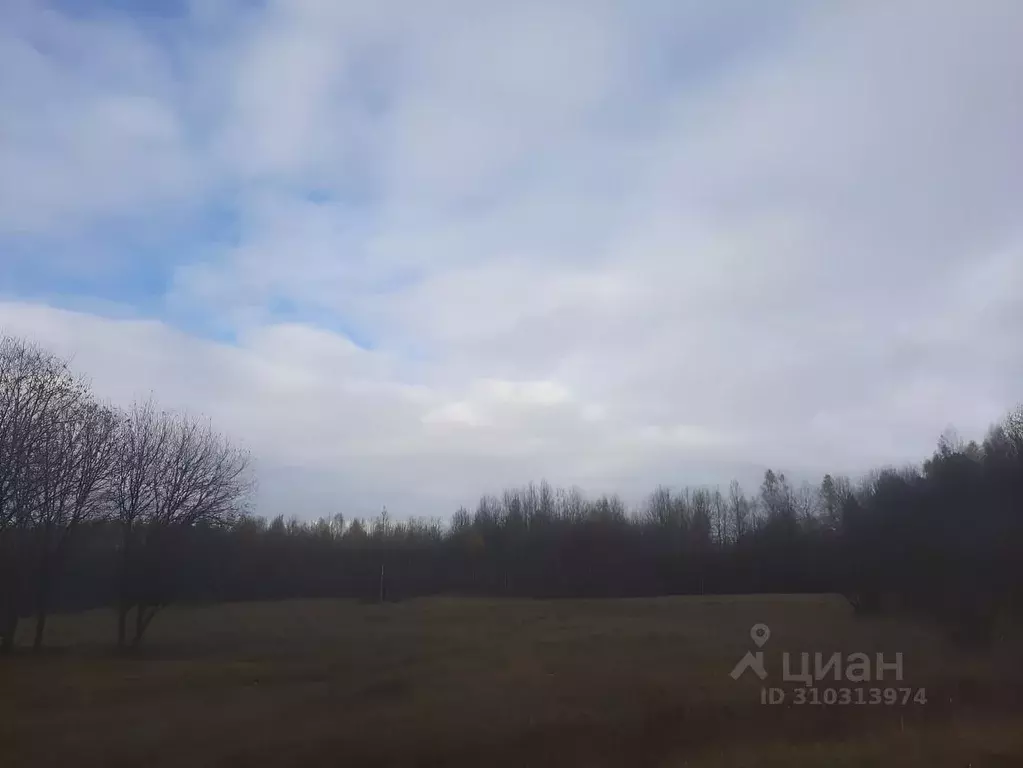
(407, 252)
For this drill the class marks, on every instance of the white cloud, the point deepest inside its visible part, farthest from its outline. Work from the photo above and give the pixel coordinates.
(474, 245)
(89, 121)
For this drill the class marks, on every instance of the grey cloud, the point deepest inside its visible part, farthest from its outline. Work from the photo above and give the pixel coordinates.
(804, 252)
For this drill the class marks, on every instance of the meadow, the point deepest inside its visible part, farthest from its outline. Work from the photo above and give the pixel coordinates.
(453, 681)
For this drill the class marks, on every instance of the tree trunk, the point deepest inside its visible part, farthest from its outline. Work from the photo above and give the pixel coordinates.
(10, 627)
(140, 625)
(123, 579)
(37, 641)
(10, 592)
(42, 607)
(143, 618)
(122, 623)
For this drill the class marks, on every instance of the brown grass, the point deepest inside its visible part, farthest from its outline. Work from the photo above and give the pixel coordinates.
(448, 681)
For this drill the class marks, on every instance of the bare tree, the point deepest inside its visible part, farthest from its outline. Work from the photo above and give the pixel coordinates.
(700, 519)
(740, 509)
(171, 474)
(546, 501)
(37, 389)
(805, 502)
(719, 508)
(659, 509)
(141, 434)
(73, 472)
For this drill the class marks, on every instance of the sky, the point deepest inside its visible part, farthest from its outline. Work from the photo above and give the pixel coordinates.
(410, 252)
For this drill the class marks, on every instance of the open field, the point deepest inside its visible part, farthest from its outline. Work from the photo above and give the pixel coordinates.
(449, 681)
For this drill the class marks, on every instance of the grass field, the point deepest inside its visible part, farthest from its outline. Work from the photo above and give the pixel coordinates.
(448, 681)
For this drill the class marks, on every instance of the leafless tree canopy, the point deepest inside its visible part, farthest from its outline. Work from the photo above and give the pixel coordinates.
(67, 461)
(171, 472)
(37, 394)
(47, 483)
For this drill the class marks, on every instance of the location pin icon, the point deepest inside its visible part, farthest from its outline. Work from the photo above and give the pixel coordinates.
(760, 634)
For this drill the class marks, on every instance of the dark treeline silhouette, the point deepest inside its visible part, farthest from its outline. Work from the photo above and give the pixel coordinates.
(145, 508)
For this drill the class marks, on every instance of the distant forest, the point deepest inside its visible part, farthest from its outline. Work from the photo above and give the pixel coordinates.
(138, 508)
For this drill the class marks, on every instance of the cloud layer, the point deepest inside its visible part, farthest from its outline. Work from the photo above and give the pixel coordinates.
(408, 254)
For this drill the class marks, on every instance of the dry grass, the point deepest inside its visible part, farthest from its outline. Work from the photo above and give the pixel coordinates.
(472, 682)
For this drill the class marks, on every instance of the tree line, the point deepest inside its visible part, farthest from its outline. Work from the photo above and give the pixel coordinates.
(70, 463)
(135, 509)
